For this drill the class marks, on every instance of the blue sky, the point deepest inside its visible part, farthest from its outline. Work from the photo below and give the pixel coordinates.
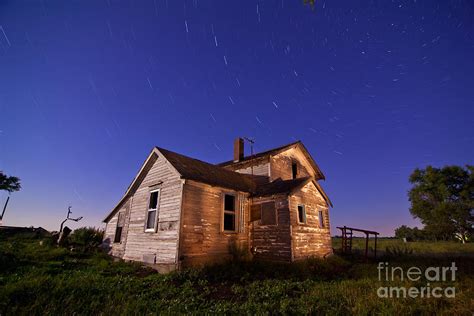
(374, 89)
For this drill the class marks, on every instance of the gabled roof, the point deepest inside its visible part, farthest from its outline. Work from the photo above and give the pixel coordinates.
(194, 169)
(272, 152)
(216, 175)
(191, 169)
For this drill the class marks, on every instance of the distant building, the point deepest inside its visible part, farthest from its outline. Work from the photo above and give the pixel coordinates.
(180, 211)
(15, 230)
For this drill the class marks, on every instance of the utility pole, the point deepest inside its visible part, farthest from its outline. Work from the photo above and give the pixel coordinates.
(4, 209)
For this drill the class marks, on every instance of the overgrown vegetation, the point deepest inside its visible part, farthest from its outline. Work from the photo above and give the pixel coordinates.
(36, 277)
(86, 238)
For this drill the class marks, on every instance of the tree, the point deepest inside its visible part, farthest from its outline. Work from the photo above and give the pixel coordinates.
(9, 184)
(64, 231)
(411, 234)
(443, 199)
(404, 232)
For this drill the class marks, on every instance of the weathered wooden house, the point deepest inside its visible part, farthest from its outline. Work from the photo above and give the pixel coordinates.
(180, 211)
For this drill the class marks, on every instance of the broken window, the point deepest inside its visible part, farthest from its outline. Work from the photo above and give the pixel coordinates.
(268, 214)
(321, 219)
(294, 170)
(301, 214)
(118, 229)
(229, 212)
(152, 209)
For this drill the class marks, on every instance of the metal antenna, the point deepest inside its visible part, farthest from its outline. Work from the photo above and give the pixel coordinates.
(251, 141)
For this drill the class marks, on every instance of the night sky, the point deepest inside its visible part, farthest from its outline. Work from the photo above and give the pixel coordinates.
(374, 89)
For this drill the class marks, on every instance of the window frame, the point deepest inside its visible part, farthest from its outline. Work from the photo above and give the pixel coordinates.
(294, 170)
(321, 218)
(117, 227)
(152, 229)
(304, 214)
(235, 213)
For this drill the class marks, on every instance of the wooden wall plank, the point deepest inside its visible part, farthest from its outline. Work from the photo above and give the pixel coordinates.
(138, 244)
(272, 242)
(280, 165)
(309, 239)
(202, 238)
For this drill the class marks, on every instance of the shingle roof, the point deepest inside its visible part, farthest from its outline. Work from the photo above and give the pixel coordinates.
(194, 169)
(218, 175)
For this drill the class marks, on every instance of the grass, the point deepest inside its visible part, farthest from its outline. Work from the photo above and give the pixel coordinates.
(424, 248)
(38, 278)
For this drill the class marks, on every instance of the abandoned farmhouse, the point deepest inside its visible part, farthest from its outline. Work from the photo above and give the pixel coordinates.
(180, 211)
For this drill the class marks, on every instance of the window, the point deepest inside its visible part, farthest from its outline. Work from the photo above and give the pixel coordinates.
(321, 219)
(301, 214)
(152, 209)
(294, 169)
(118, 229)
(229, 212)
(118, 234)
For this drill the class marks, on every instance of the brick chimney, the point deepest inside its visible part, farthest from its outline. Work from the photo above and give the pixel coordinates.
(238, 149)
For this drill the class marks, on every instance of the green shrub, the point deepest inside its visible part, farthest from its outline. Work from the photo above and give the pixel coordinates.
(332, 267)
(7, 261)
(397, 251)
(86, 238)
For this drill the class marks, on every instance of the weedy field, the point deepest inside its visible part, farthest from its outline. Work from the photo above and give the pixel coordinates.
(38, 278)
(422, 248)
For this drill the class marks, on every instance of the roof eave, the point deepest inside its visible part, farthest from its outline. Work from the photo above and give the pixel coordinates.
(130, 187)
(312, 161)
(323, 193)
(234, 188)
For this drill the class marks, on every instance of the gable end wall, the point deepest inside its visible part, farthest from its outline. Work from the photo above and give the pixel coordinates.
(309, 239)
(160, 246)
